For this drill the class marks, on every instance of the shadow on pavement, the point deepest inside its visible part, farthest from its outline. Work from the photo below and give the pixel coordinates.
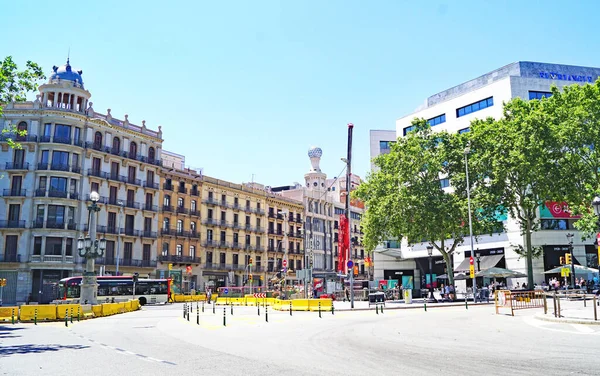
(7, 332)
(36, 349)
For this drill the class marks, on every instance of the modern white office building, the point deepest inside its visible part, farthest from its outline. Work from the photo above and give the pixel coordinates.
(453, 110)
(380, 142)
(69, 151)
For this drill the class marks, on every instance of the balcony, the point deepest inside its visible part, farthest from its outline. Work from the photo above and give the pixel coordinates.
(10, 258)
(151, 185)
(210, 243)
(298, 219)
(42, 166)
(14, 192)
(237, 226)
(105, 229)
(40, 193)
(248, 247)
(271, 248)
(62, 140)
(167, 187)
(182, 210)
(272, 214)
(134, 181)
(259, 229)
(224, 204)
(97, 173)
(117, 177)
(12, 224)
(138, 263)
(60, 167)
(182, 190)
(93, 145)
(237, 245)
(194, 234)
(259, 211)
(167, 208)
(194, 212)
(130, 232)
(17, 166)
(259, 248)
(194, 192)
(148, 234)
(132, 205)
(78, 143)
(175, 259)
(45, 138)
(236, 206)
(115, 151)
(271, 231)
(52, 258)
(57, 193)
(12, 136)
(167, 231)
(210, 221)
(210, 201)
(223, 223)
(248, 209)
(150, 207)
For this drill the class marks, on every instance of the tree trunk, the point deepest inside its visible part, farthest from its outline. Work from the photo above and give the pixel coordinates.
(529, 255)
(449, 271)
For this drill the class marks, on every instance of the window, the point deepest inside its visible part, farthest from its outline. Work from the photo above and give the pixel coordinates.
(60, 160)
(14, 212)
(116, 145)
(56, 215)
(98, 140)
(179, 225)
(407, 130)
(222, 258)
(132, 150)
(37, 245)
(445, 183)
(150, 177)
(167, 200)
(58, 184)
(95, 187)
(77, 134)
(554, 224)
(10, 250)
(151, 154)
(193, 227)
(69, 247)
(209, 235)
(539, 94)
(236, 259)
(146, 252)
(209, 214)
(165, 249)
(474, 107)
(464, 130)
(179, 250)
(53, 246)
(180, 202)
(166, 223)
(62, 133)
(437, 120)
(223, 236)
(192, 251)
(223, 216)
(193, 205)
(128, 253)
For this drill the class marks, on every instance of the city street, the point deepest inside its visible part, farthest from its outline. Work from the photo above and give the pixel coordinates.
(158, 341)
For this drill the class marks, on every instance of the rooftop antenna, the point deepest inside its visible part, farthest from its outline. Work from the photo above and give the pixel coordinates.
(252, 179)
(68, 54)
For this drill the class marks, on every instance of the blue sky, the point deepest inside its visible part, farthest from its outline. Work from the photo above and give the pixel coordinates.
(246, 87)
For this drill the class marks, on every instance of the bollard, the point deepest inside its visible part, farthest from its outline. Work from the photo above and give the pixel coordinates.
(232, 310)
(78, 313)
(188, 315)
(290, 308)
(197, 306)
(184, 309)
(376, 309)
(558, 300)
(224, 319)
(213, 307)
(319, 309)
(67, 317)
(466, 302)
(197, 317)
(71, 315)
(545, 305)
(13, 316)
(382, 308)
(554, 303)
(258, 307)
(425, 305)
(202, 307)
(584, 304)
(332, 309)
(266, 314)
(35, 317)
(595, 312)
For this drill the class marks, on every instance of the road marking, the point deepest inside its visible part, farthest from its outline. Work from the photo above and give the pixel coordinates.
(583, 329)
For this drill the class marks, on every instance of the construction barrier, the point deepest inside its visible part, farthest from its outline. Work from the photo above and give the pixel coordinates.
(6, 313)
(97, 310)
(108, 309)
(44, 312)
(61, 309)
(181, 298)
(515, 300)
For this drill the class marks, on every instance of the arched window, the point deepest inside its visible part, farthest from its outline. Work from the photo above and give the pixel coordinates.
(193, 226)
(179, 225)
(167, 200)
(192, 251)
(165, 250)
(151, 154)
(166, 223)
(116, 147)
(179, 250)
(132, 150)
(21, 131)
(193, 205)
(180, 202)
(97, 140)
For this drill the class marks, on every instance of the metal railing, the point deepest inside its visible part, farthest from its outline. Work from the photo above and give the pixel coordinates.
(12, 224)
(516, 300)
(14, 192)
(17, 165)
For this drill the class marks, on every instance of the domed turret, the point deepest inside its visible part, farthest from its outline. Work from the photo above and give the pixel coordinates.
(315, 152)
(66, 73)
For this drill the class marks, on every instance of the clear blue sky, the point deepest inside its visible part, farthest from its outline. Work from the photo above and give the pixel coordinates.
(246, 87)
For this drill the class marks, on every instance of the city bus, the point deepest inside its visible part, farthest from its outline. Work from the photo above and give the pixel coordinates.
(118, 288)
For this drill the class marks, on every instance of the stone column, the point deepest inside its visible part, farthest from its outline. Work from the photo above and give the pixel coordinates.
(89, 287)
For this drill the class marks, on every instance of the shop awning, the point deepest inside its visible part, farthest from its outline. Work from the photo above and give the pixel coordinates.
(485, 262)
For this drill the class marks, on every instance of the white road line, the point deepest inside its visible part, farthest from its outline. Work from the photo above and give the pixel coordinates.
(583, 328)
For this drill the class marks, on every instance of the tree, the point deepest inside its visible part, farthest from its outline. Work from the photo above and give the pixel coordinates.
(405, 198)
(516, 156)
(575, 114)
(14, 86)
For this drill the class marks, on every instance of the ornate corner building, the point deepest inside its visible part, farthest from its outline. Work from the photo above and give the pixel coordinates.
(68, 152)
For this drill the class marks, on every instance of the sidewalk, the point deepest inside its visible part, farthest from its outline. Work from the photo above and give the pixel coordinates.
(571, 312)
(399, 304)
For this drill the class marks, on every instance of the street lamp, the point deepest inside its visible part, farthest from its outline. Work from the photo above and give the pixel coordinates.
(570, 239)
(431, 297)
(596, 206)
(90, 248)
(466, 152)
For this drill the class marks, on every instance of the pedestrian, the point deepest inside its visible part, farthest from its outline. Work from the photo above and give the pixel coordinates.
(347, 293)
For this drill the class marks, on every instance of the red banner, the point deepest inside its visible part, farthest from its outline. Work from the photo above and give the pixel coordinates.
(343, 244)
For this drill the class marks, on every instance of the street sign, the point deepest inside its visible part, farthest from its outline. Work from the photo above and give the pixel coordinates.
(350, 264)
(284, 263)
(226, 291)
(471, 260)
(260, 295)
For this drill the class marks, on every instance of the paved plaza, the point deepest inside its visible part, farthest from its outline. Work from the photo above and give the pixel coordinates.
(159, 341)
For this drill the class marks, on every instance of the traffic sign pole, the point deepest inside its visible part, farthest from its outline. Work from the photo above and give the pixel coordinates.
(351, 272)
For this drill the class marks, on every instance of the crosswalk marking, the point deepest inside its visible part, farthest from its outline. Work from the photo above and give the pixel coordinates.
(583, 329)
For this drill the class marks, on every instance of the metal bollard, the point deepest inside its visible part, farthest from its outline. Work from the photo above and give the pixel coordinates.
(425, 305)
(202, 307)
(184, 309)
(466, 302)
(197, 306)
(197, 317)
(13, 316)
(595, 312)
(258, 307)
(584, 304)
(554, 303)
(188, 315)
(213, 307)
(67, 317)
(319, 309)
(224, 319)
(558, 299)
(71, 315)
(545, 305)
(266, 314)
(382, 308)
(332, 308)
(78, 313)
(376, 309)
(232, 310)
(290, 308)
(35, 317)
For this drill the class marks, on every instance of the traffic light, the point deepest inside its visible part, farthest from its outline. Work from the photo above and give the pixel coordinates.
(250, 277)
(250, 263)
(2, 282)
(562, 260)
(261, 278)
(170, 266)
(568, 258)
(135, 277)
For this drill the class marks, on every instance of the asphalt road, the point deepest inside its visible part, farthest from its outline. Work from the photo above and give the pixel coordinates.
(158, 341)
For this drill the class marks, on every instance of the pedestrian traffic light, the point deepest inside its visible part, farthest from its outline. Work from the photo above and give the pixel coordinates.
(568, 258)
(250, 277)
(562, 260)
(250, 263)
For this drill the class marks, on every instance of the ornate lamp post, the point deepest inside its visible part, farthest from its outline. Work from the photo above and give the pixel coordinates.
(596, 206)
(90, 248)
(431, 297)
(570, 239)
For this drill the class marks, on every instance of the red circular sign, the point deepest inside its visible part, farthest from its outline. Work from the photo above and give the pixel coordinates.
(471, 260)
(284, 263)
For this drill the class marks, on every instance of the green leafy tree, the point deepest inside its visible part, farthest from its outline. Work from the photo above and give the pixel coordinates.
(515, 157)
(405, 198)
(14, 86)
(575, 114)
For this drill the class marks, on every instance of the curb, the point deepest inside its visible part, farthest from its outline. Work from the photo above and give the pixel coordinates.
(566, 320)
(430, 305)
